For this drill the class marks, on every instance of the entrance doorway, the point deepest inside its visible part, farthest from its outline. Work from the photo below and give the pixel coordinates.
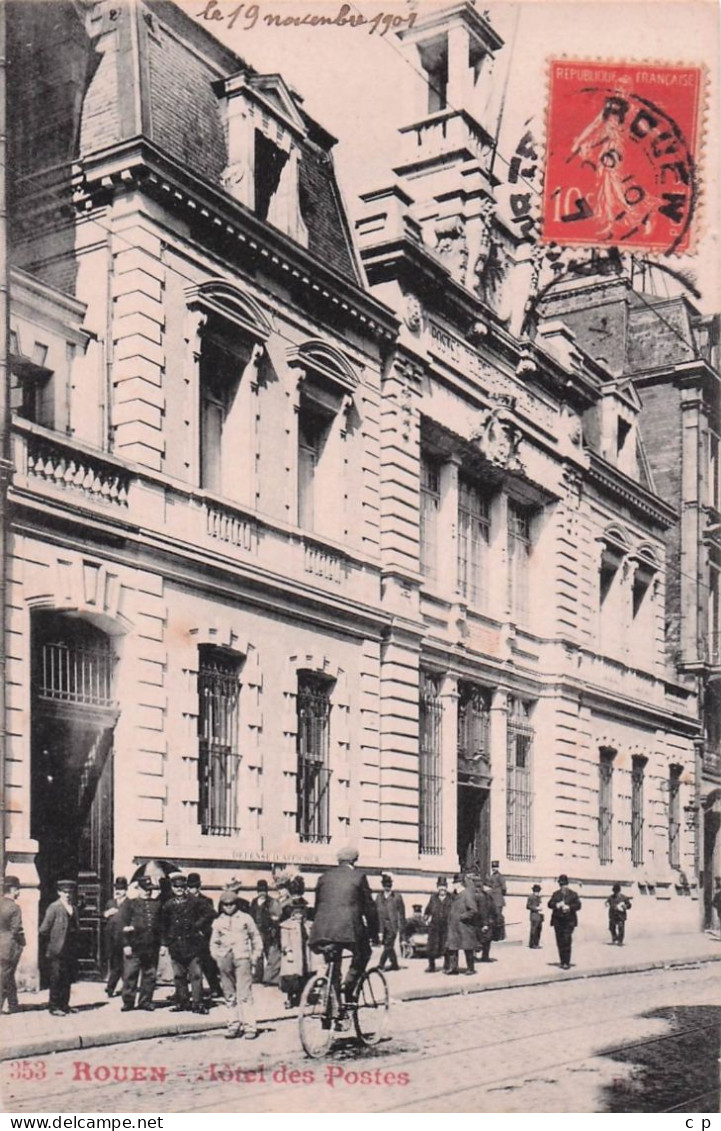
(73, 719)
(474, 829)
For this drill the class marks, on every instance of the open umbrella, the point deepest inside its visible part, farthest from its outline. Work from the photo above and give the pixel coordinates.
(158, 870)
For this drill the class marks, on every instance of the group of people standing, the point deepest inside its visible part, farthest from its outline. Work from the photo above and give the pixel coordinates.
(270, 939)
(468, 918)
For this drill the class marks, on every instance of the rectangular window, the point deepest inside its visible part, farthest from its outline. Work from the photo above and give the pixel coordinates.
(519, 553)
(605, 806)
(223, 358)
(32, 391)
(313, 429)
(430, 769)
(473, 540)
(218, 761)
(674, 816)
(313, 745)
(430, 507)
(637, 775)
(519, 792)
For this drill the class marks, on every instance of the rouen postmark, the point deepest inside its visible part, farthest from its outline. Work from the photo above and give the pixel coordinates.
(621, 155)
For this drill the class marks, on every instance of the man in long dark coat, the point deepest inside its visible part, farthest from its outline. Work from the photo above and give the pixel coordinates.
(114, 934)
(487, 918)
(139, 922)
(498, 891)
(59, 932)
(437, 912)
(207, 962)
(184, 925)
(12, 941)
(391, 921)
(462, 933)
(345, 914)
(564, 904)
(266, 914)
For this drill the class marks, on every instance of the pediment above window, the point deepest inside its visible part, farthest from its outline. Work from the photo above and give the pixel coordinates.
(319, 359)
(216, 296)
(269, 92)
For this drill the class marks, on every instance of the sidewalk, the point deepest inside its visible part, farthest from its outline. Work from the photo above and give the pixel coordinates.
(33, 1032)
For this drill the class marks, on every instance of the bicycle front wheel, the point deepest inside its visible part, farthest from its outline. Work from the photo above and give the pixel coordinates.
(371, 1011)
(317, 1011)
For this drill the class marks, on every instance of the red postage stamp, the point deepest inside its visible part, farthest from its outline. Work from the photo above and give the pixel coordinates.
(621, 155)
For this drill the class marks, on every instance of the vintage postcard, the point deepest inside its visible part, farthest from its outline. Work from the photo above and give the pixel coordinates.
(360, 558)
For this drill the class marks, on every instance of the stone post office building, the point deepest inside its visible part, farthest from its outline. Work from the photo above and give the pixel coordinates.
(309, 543)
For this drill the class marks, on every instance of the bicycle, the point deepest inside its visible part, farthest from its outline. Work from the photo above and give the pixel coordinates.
(323, 1013)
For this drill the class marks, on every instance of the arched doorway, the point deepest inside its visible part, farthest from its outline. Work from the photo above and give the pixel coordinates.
(73, 718)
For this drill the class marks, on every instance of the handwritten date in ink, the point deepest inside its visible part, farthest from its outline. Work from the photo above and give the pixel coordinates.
(250, 14)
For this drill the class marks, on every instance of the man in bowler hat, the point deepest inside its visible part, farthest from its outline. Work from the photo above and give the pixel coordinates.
(565, 905)
(207, 962)
(59, 932)
(391, 921)
(498, 891)
(114, 934)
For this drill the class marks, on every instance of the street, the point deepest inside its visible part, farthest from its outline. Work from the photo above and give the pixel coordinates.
(633, 1042)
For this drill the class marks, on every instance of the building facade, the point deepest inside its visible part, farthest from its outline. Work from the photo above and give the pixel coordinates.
(670, 352)
(297, 560)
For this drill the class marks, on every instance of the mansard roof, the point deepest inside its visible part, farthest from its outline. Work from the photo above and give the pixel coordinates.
(91, 77)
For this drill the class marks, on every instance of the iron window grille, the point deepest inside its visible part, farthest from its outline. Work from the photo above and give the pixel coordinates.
(473, 540)
(519, 553)
(218, 756)
(430, 507)
(313, 745)
(605, 806)
(430, 775)
(473, 724)
(637, 776)
(519, 792)
(674, 816)
(76, 669)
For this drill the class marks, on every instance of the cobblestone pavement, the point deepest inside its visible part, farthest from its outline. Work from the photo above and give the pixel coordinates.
(547, 1048)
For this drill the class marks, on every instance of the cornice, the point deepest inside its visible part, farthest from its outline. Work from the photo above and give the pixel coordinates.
(137, 165)
(621, 487)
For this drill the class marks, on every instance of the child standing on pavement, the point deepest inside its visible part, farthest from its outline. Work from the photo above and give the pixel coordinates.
(618, 905)
(533, 906)
(235, 944)
(294, 961)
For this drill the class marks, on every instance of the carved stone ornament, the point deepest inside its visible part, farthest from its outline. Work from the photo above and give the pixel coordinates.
(572, 425)
(498, 439)
(452, 246)
(413, 317)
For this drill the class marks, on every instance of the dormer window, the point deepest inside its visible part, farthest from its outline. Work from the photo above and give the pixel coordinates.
(265, 134)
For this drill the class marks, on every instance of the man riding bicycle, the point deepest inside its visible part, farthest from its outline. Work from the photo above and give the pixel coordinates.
(345, 914)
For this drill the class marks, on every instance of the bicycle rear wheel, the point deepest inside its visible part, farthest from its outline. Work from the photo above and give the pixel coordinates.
(371, 1010)
(318, 1008)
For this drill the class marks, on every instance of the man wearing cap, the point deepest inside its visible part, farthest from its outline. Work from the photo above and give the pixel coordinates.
(498, 892)
(114, 934)
(58, 933)
(184, 924)
(236, 945)
(533, 906)
(437, 912)
(345, 914)
(207, 962)
(12, 942)
(139, 925)
(391, 921)
(564, 905)
(266, 913)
